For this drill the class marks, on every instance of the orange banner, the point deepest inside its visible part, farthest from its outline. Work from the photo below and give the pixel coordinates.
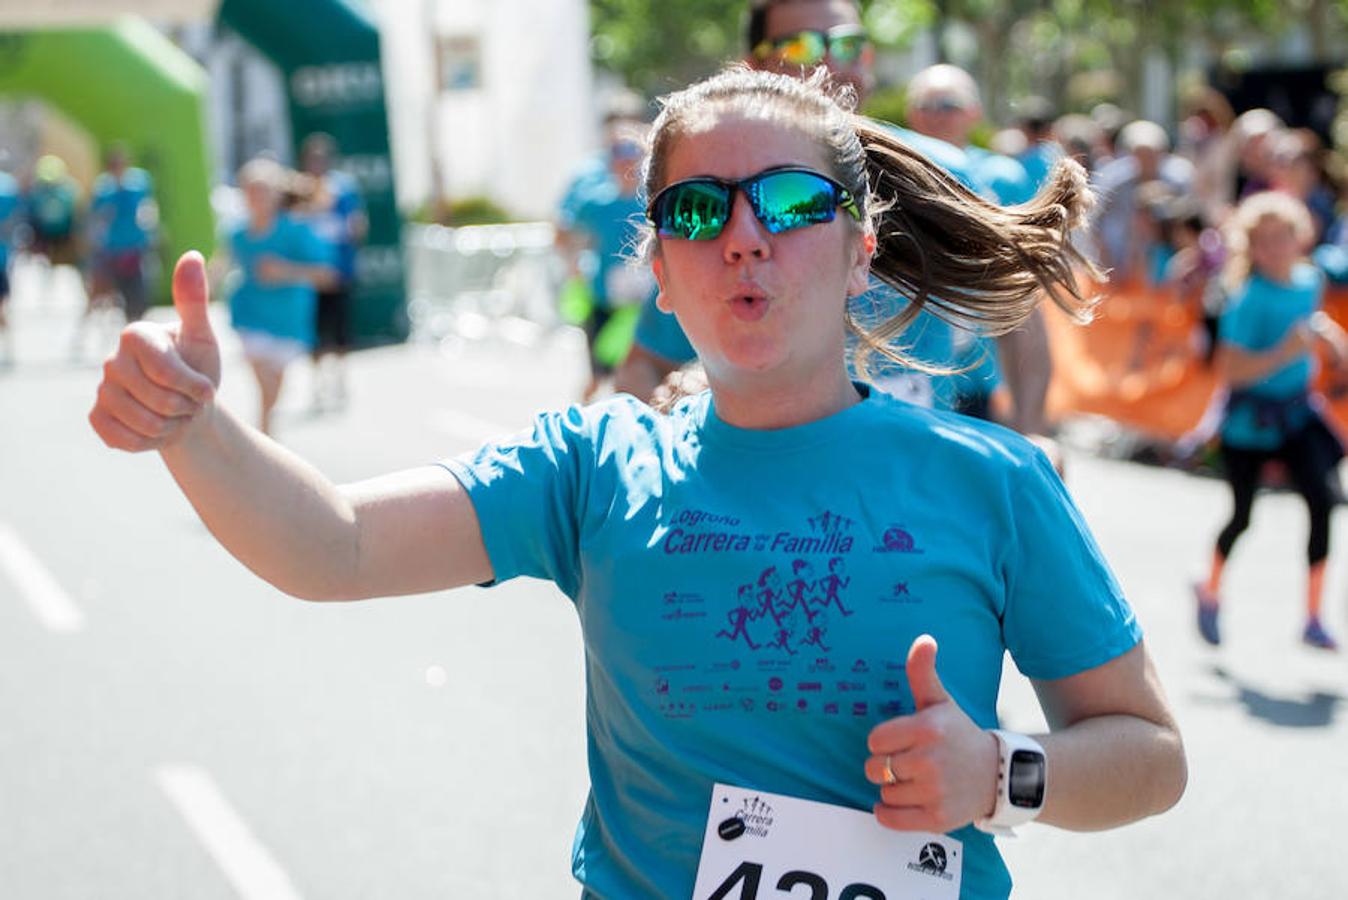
(1141, 363)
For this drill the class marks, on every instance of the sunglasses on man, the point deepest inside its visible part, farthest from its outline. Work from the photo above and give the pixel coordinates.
(783, 199)
(843, 43)
(943, 105)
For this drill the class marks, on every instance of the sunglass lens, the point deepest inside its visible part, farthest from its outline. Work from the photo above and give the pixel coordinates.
(847, 49)
(804, 49)
(694, 211)
(787, 200)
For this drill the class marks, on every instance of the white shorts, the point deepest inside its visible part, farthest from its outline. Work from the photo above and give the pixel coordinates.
(278, 352)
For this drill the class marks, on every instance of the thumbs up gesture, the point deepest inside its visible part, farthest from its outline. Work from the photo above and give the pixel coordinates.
(161, 377)
(937, 770)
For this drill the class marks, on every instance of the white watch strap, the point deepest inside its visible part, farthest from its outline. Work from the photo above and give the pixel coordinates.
(1005, 815)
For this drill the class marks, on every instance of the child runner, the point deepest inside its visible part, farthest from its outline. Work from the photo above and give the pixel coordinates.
(764, 222)
(283, 264)
(1264, 353)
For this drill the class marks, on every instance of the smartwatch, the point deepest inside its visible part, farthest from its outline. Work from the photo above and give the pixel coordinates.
(1022, 775)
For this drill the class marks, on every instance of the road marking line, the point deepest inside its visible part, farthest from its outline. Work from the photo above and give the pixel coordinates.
(246, 863)
(464, 425)
(36, 584)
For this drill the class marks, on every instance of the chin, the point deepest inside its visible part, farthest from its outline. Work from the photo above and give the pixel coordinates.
(754, 356)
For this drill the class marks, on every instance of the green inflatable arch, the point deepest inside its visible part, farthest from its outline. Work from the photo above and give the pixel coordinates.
(128, 83)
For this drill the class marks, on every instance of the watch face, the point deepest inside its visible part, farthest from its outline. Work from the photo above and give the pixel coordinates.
(1026, 784)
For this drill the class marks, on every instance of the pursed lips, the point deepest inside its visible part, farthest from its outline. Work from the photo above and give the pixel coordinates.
(749, 302)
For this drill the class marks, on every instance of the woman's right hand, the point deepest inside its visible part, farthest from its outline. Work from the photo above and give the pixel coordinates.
(161, 377)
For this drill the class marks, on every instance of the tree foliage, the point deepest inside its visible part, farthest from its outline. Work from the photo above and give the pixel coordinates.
(1073, 51)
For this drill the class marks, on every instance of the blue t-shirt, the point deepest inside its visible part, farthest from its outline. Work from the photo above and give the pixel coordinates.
(332, 223)
(592, 175)
(51, 208)
(659, 332)
(281, 310)
(1039, 161)
(1257, 319)
(10, 205)
(928, 340)
(1004, 176)
(116, 210)
(612, 222)
(747, 600)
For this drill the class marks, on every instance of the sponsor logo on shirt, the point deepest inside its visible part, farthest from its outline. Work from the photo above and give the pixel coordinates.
(896, 540)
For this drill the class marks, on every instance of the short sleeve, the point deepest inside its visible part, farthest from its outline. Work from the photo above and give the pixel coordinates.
(527, 492)
(659, 333)
(1065, 613)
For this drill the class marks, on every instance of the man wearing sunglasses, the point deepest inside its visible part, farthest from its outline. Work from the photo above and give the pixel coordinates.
(797, 36)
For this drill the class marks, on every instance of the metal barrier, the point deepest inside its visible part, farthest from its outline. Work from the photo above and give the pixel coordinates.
(482, 281)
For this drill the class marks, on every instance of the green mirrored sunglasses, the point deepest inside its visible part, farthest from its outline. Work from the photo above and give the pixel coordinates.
(697, 209)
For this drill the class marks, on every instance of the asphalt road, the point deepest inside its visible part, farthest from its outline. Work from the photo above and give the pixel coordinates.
(171, 727)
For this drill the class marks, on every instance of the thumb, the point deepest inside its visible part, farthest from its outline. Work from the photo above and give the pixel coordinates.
(190, 294)
(922, 678)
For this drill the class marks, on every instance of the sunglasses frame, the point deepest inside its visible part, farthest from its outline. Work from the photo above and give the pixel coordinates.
(829, 39)
(749, 187)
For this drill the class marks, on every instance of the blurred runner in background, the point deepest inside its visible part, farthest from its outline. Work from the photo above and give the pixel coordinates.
(51, 209)
(120, 230)
(598, 228)
(282, 265)
(334, 210)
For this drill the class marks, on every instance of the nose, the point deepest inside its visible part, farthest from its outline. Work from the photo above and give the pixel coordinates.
(744, 236)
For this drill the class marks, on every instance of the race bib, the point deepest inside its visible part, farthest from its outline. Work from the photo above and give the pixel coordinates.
(760, 845)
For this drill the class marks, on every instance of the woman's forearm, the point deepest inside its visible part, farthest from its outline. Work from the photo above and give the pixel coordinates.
(1111, 770)
(273, 511)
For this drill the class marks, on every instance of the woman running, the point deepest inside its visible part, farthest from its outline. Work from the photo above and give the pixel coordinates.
(770, 205)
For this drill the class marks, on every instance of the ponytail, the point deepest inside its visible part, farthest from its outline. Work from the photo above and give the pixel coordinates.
(976, 265)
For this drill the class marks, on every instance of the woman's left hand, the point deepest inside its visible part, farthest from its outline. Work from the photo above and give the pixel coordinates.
(937, 769)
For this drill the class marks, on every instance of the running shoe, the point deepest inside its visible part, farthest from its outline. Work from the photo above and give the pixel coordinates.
(1207, 614)
(1316, 636)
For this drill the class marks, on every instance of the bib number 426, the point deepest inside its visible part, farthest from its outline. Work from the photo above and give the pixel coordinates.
(747, 878)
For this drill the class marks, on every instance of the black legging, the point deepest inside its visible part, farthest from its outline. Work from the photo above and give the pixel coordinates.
(1308, 465)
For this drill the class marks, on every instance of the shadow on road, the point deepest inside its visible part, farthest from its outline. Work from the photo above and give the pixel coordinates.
(1313, 710)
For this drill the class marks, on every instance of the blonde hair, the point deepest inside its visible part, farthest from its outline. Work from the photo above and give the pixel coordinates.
(1251, 211)
(978, 266)
(265, 171)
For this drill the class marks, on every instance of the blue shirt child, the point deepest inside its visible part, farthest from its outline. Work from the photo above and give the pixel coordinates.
(1258, 318)
(281, 310)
